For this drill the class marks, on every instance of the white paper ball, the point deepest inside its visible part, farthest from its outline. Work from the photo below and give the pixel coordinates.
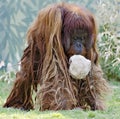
(79, 66)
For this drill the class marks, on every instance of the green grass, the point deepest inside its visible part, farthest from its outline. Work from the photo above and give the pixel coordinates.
(112, 112)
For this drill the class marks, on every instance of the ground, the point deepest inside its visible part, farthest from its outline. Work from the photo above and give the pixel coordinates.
(112, 111)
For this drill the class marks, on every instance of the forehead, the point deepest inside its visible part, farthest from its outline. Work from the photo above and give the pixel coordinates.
(79, 32)
(74, 23)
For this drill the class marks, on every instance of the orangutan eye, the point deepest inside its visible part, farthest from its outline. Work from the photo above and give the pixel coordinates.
(79, 39)
(83, 39)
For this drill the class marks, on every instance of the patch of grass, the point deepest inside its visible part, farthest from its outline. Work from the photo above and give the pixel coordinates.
(112, 112)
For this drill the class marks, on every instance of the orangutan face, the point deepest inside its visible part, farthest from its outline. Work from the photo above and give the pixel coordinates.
(78, 42)
(77, 33)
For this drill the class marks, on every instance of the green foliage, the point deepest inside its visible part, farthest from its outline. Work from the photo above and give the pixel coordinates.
(9, 37)
(7, 76)
(15, 18)
(109, 38)
(110, 54)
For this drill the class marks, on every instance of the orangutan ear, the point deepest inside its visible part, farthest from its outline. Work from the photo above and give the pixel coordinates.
(92, 53)
(95, 56)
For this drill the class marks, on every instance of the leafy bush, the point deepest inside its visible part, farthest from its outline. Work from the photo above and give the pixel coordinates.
(109, 38)
(109, 46)
(7, 76)
(15, 18)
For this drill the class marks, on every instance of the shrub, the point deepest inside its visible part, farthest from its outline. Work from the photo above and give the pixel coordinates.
(109, 38)
(109, 46)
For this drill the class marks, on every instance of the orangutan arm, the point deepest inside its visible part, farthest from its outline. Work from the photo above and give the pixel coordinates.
(20, 96)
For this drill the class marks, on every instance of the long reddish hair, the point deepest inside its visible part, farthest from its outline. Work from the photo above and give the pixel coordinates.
(45, 63)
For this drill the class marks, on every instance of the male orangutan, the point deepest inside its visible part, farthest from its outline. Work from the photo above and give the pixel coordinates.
(59, 32)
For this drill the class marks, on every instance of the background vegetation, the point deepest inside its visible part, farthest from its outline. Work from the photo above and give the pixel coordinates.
(108, 15)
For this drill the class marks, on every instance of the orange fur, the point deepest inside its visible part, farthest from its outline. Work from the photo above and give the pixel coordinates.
(45, 63)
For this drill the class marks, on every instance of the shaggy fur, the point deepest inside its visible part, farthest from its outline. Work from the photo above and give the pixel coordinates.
(45, 63)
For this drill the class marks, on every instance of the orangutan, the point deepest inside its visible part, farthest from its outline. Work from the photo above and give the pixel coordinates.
(60, 31)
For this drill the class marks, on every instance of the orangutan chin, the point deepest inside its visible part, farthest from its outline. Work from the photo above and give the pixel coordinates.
(59, 32)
